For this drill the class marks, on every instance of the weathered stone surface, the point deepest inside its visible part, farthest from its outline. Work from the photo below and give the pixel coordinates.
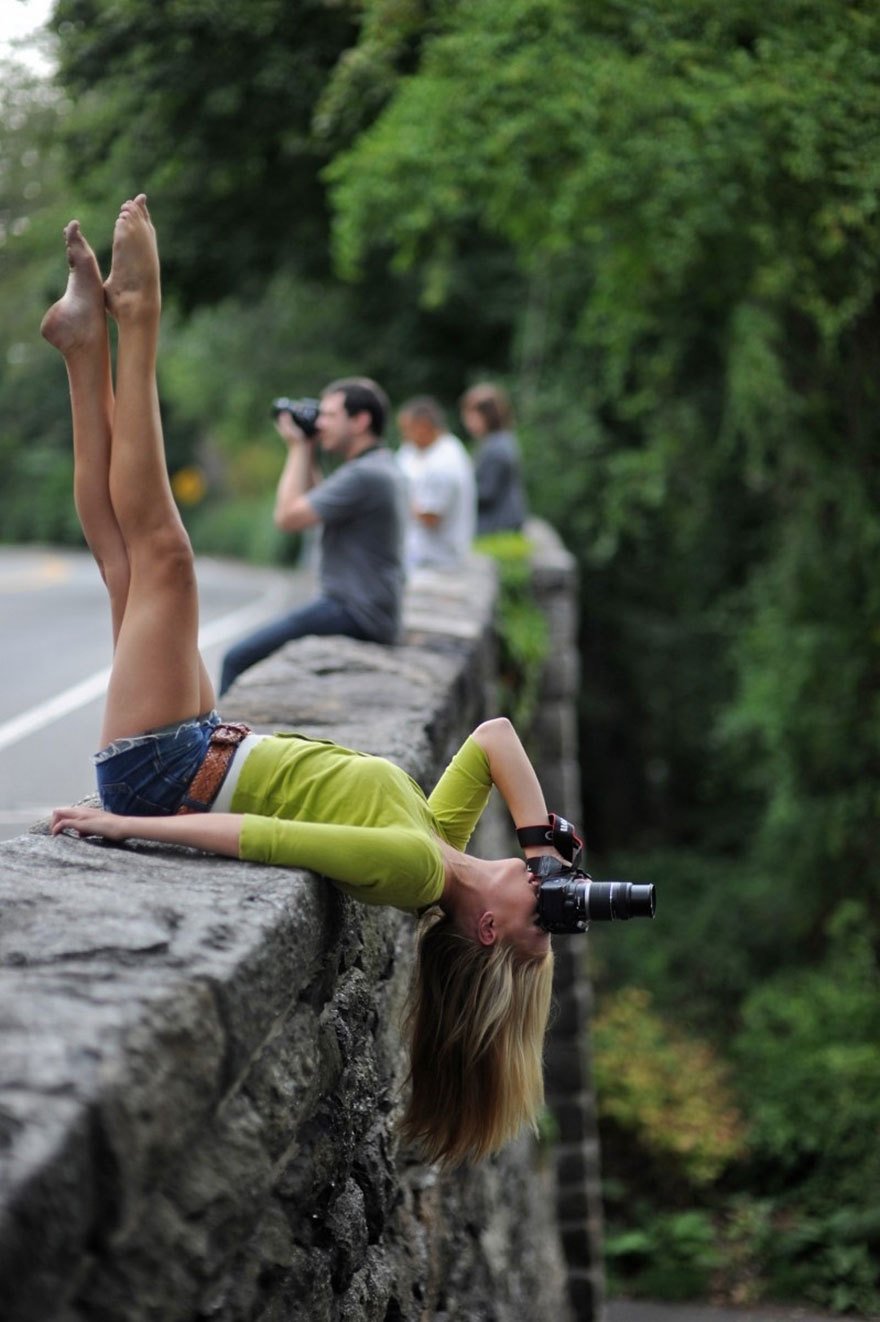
(553, 744)
(200, 1059)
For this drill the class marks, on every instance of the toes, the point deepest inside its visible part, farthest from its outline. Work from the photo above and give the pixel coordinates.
(135, 204)
(77, 247)
(78, 251)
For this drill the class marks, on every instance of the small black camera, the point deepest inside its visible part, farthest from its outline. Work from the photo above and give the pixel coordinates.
(303, 411)
(569, 900)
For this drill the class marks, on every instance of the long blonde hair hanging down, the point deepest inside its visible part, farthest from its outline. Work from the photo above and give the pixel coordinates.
(476, 1023)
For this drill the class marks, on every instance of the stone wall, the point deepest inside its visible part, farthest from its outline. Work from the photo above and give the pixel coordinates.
(570, 1094)
(200, 1063)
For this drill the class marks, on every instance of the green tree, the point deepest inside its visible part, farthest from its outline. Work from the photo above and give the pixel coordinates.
(35, 461)
(227, 118)
(814, 1132)
(691, 196)
(207, 108)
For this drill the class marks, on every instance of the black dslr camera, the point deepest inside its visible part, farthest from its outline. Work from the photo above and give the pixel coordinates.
(568, 898)
(303, 411)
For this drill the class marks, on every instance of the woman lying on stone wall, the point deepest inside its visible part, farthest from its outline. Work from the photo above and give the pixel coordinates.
(171, 771)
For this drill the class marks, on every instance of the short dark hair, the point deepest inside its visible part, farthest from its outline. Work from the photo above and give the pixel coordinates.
(361, 395)
(424, 406)
(491, 402)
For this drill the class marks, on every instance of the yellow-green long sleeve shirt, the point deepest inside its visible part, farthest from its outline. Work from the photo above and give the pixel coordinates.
(357, 819)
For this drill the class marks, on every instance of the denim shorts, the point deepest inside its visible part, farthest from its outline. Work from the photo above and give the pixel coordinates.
(148, 775)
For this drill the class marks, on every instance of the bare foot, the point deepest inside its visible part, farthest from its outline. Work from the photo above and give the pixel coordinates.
(132, 289)
(79, 318)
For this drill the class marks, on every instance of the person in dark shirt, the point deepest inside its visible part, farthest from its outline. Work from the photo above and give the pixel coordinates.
(501, 502)
(361, 511)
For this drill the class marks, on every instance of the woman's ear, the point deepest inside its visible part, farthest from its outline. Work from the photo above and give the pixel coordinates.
(487, 933)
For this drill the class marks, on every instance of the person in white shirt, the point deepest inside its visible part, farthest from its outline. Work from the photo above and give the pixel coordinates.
(442, 490)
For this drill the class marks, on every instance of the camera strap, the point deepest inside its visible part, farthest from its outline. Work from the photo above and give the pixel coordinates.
(545, 866)
(558, 832)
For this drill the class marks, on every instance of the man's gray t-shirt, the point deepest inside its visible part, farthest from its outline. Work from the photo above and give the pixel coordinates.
(362, 508)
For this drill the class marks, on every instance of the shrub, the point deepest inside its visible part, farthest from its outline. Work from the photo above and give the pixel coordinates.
(672, 1257)
(521, 626)
(809, 1064)
(668, 1093)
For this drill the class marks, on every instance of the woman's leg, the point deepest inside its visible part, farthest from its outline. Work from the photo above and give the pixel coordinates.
(77, 326)
(121, 485)
(158, 675)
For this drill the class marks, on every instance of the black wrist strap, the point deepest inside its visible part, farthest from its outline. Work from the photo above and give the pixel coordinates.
(558, 833)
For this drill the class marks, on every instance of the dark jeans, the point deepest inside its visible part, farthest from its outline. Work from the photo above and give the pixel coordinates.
(148, 775)
(322, 616)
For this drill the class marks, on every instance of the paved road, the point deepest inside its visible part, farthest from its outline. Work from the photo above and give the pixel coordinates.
(54, 657)
(621, 1310)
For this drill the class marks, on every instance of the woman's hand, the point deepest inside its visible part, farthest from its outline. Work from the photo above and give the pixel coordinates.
(90, 821)
(215, 832)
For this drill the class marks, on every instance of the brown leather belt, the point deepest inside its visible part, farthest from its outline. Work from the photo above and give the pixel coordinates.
(205, 784)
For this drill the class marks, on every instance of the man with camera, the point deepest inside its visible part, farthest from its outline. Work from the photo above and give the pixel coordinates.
(361, 509)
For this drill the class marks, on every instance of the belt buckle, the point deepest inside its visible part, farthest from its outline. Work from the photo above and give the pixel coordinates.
(229, 734)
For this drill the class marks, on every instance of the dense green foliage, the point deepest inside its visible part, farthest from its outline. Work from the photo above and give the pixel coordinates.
(753, 1064)
(694, 208)
(658, 222)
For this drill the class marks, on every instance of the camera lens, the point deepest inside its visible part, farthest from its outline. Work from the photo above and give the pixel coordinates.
(606, 900)
(304, 413)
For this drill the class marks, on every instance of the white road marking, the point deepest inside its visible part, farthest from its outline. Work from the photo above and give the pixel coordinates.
(78, 695)
(87, 690)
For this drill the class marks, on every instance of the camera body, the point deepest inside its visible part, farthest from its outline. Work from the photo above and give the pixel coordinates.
(303, 411)
(569, 900)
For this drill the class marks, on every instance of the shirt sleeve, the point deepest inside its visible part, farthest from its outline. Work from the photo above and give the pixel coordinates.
(461, 794)
(374, 864)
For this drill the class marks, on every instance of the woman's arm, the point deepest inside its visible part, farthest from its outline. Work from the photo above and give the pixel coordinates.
(217, 833)
(515, 777)
(381, 865)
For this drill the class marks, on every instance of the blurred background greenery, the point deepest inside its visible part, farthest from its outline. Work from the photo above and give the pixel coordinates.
(657, 224)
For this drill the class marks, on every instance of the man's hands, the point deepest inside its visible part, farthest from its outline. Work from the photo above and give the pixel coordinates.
(288, 430)
(293, 511)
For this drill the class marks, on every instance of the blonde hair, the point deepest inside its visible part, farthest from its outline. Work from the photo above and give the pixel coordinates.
(476, 1022)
